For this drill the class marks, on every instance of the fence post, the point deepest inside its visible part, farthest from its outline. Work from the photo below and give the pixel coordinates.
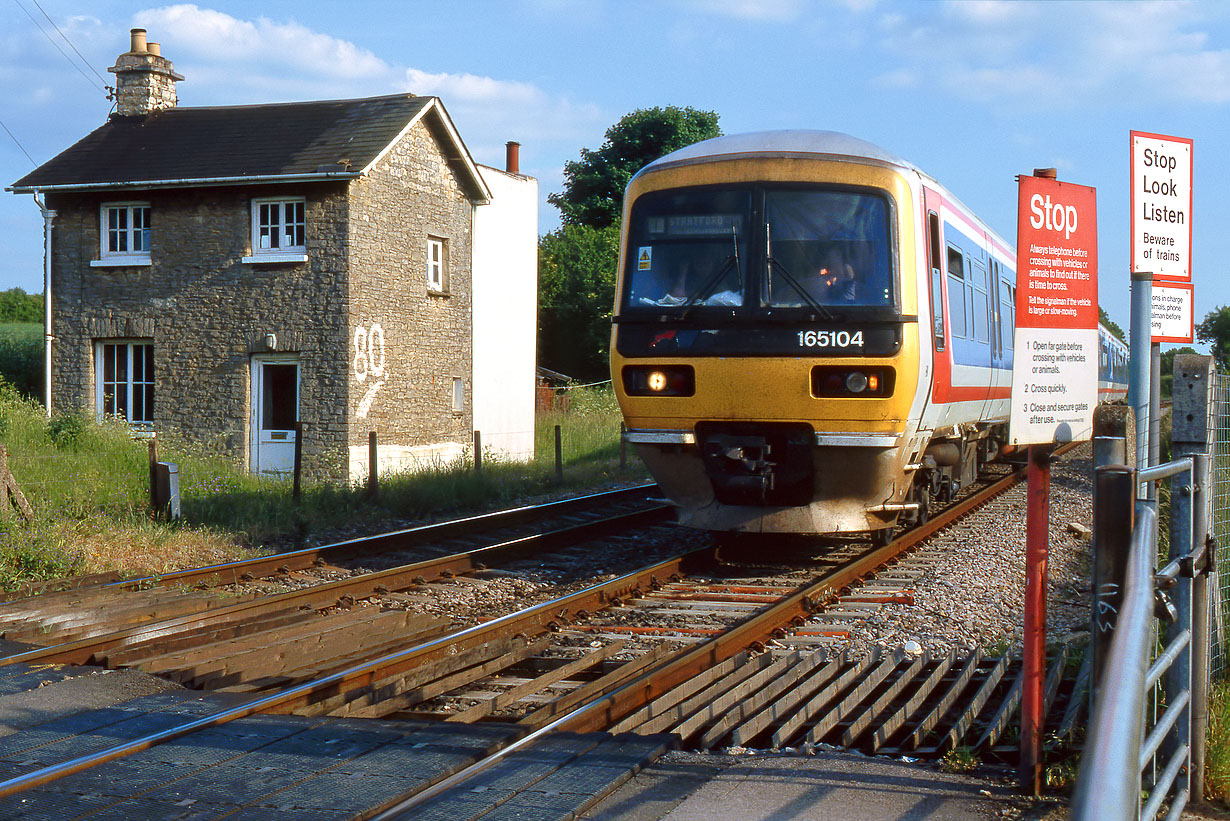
(5, 510)
(1113, 434)
(373, 480)
(559, 457)
(299, 426)
(154, 505)
(1192, 434)
(478, 451)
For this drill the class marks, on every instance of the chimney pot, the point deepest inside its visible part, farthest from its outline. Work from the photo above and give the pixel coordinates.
(154, 49)
(138, 41)
(512, 163)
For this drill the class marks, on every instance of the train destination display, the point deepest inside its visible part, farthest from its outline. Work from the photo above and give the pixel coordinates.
(1161, 205)
(1055, 355)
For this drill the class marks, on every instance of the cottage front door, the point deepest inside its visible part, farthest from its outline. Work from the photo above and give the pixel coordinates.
(275, 409)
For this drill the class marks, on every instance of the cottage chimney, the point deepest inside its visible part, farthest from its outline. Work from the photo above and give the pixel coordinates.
(144, 79)
(512, 157)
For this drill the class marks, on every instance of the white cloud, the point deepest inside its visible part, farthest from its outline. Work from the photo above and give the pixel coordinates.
(773, 11)
(1067, 54)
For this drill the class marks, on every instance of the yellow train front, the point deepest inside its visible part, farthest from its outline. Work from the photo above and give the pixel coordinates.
(770, 352)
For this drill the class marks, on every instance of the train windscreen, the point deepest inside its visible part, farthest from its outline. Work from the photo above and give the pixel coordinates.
(826, 248)
(688, 248)
(758, 250)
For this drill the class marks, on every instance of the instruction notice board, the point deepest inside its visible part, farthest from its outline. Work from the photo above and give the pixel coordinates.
(1055, 364)
(1162, 169)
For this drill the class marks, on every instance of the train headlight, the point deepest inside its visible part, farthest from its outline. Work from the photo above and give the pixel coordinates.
(857, 382)
(829, 381)
(664, 380)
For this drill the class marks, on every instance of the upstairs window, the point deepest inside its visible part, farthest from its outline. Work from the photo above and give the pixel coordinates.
(124, 234)
(437, 272)
(279, 231)
(124, 380)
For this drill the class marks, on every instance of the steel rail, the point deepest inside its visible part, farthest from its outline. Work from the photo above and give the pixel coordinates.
(232, 572)
(82, 651)
(354, 679)
(606, 710)
(596, 714)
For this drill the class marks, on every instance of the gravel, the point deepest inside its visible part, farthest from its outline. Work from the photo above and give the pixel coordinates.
(970, 587)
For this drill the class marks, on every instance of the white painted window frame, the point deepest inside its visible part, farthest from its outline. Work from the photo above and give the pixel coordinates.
(459, 394)
(126, 381)
(128, 236)
(286, 248)
(437, 265)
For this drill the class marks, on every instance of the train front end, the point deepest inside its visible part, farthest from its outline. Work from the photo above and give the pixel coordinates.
(765, 349)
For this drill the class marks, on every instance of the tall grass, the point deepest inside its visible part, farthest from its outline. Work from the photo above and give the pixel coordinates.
(1217, 747)
(89, 485)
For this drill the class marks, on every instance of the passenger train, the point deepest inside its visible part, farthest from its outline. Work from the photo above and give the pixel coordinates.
(812, 335)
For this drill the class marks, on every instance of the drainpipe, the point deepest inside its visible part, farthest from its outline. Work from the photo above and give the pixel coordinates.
(48, 218)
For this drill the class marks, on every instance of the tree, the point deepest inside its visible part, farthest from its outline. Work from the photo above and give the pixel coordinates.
(1105, 319)
(1215, 330)
(18, 306)
(576, 292)
(594, 185)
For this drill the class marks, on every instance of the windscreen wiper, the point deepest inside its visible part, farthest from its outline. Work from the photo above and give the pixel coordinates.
(794, 283)
(706, 290)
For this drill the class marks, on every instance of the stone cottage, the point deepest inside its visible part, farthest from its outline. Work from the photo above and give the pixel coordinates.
(225, 272)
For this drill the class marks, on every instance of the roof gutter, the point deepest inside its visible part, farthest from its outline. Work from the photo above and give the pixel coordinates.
(189, 182)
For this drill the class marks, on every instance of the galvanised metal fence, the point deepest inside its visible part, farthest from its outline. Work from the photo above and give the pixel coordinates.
(1142, 759)
(1221, 521)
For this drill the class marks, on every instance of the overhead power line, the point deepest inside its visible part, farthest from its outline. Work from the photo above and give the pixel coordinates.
(50, 39)
(19, 145)
(89, 65)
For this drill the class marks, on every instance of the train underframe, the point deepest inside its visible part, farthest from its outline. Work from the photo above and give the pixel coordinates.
(752, 477)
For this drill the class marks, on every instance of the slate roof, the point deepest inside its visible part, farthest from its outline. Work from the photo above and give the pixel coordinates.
(253, 143)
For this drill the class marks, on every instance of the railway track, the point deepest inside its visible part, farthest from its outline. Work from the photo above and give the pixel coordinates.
(716, 653)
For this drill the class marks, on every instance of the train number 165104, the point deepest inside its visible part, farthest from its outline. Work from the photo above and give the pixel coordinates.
(830, 339)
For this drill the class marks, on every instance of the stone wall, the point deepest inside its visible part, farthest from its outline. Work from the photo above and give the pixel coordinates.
(408, 343)
(207, 312)
(377, 349)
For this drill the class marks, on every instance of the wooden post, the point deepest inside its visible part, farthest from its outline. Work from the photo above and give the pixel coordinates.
(373, 481)
(154, 505)
(623, 448)
(559, 456)
(5, 511)
(478, 451)
(294, 494)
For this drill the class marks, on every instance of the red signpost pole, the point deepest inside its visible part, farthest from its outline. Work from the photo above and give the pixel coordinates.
(1054, 391)
(1037, 544)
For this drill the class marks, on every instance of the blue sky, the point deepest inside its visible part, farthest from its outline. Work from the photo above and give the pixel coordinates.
(975, 92)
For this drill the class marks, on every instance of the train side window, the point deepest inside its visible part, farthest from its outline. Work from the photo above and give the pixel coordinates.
(1007, 312)
(956, 292)
(978, 300)
(937, 281)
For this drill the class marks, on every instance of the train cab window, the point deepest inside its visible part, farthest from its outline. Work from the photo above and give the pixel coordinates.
(956, 292)
(688, 249)
(825, 248)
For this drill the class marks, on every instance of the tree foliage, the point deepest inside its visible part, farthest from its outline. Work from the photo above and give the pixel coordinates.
(18, 306)
(576, 291)
(1110, 324)
(1215, 330)
(594, 185)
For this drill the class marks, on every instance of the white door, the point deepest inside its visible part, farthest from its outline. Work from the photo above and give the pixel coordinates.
(275, 406)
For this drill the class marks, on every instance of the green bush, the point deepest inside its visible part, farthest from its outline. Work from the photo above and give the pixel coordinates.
(21, 357)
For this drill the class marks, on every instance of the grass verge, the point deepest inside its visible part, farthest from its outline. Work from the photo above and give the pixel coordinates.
(89, 485)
